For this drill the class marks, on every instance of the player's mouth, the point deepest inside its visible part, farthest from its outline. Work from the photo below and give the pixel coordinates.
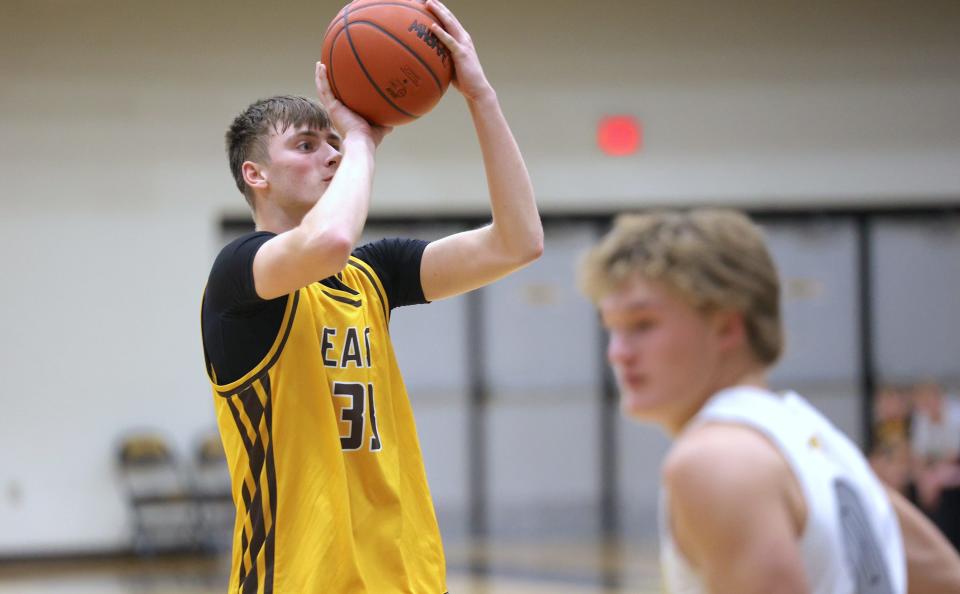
(633, 381)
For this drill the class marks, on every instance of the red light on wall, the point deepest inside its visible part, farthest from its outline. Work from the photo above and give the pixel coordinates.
(619, 135)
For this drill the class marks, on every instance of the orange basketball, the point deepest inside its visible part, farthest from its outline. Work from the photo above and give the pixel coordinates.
(383, 61)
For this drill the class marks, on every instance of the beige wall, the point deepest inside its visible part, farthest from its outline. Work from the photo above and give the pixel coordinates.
(743, 102)
(114, 179)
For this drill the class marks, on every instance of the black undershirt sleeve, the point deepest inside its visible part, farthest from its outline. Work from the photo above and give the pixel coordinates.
(397, 262)
(238, 326)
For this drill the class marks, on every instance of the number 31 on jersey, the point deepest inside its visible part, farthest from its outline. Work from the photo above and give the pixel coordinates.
(355, 414)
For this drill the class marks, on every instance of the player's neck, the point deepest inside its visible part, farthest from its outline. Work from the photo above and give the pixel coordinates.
(270, 217)
(742, 371)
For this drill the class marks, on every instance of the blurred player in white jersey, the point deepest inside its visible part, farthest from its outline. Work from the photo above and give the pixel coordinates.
(761, 493)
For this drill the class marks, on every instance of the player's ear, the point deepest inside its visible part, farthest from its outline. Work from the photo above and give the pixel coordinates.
(254, 175)
(731, 328)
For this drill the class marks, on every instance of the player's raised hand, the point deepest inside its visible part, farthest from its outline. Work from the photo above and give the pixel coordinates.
(345, 120)
(468, 74)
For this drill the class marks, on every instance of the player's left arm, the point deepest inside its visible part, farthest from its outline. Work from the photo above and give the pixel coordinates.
(468, 260)
(933, 565)
(730, 512)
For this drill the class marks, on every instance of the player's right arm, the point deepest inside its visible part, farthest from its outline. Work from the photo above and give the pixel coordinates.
(730, 511)
(321, 244)
(933, 566)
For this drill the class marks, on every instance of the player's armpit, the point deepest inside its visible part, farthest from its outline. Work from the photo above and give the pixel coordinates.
(933, 566)
(730, 511)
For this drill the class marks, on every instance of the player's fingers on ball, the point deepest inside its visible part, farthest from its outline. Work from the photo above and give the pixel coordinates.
(318, 75)
(447, 39)
(323, 86)
(457, 47)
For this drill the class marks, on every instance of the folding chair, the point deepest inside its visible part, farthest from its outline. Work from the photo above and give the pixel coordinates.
(211, 488)
(160, 503)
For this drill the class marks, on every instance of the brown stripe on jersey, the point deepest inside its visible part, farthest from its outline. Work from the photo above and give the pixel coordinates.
(254, 409)
(271, 486)
(353, 302)
(244, 578)
(255, 512)
(241, 428)
(276, 355)
(254, 413)
(245, 493)
(248, 560)
(243, 560)
(257, 456)
(334, 282)
(383, 303)
(244, 541)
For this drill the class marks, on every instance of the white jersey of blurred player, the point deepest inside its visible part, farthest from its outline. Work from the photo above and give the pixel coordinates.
(851, 542)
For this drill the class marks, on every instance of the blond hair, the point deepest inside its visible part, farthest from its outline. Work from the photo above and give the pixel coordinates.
(714, 258)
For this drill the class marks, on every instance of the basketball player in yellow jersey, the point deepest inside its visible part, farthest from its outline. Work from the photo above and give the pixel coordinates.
(327, 474)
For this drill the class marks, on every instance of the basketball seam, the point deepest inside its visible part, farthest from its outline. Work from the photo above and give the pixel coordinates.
(344, 20)
(401, 4)
(343, 15)
(405, 46)
(331, 25)
(346, 27)
(345, 11)
(333, 78)
(370, 78)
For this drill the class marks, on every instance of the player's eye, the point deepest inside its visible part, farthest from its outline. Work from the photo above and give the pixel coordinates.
(642, 325)
(305, 146)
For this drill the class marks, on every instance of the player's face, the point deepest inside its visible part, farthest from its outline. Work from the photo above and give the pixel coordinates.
(664, 352)
(302, 164)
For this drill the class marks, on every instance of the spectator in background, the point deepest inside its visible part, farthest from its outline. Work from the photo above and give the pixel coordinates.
(890, 457)
(935, 440)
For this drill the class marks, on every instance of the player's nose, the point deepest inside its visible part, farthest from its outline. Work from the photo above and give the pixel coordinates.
(333, 159)
(618, 349)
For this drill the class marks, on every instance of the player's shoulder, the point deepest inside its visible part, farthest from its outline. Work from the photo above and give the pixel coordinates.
(239, 251)
(233, 268)
(251, 240)
(722, 456)
(722, 480)
(376, 251)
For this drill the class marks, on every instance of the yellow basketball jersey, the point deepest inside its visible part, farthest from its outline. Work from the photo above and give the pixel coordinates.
(327, 473)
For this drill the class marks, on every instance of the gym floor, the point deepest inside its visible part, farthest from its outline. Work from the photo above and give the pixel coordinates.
(491, 568)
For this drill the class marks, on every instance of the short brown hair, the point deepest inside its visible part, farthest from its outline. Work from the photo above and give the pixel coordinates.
(715, 258)
(246, 138)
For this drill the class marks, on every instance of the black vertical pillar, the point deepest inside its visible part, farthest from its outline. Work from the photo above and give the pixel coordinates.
(477, 414)
(609, 416)
(864, 224)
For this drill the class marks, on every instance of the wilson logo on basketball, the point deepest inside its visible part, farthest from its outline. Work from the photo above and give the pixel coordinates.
(433, 42)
